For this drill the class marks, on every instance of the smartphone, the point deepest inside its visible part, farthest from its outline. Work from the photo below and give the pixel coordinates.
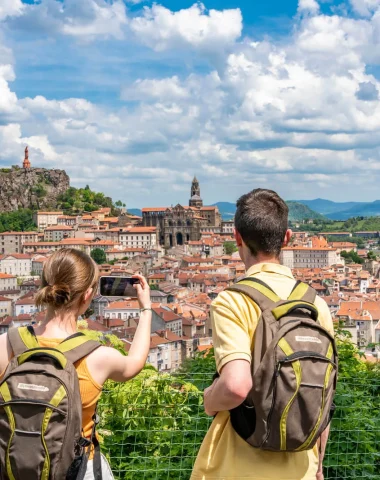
(118, 286)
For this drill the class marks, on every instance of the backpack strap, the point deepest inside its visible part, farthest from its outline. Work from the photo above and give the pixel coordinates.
(303, 291)
(77, 346)
(258, 291)
(22, 339)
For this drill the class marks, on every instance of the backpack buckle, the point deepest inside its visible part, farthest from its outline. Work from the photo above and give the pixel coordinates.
(84, 442)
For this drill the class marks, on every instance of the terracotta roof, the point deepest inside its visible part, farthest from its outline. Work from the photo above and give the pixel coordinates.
(41, 212)
(19, 233)
(154, 209)
(59, 227)
(123, 305)
(18, 256)
(5, 299)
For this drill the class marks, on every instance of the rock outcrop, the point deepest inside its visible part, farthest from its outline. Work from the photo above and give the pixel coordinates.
(35, 188)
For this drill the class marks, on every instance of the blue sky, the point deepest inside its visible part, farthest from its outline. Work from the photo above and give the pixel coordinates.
(135, 98)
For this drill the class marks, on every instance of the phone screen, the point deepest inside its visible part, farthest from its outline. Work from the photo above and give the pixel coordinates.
(118, 286)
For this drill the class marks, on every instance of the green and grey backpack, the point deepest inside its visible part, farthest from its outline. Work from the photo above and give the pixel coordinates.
(41, 411)
(294, 371)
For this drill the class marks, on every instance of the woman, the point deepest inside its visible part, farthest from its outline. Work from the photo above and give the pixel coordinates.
(69, 282)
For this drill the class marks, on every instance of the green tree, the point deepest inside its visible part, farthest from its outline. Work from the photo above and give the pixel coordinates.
(99, 255)
(371, 255)
(230, 247)
(18, 221)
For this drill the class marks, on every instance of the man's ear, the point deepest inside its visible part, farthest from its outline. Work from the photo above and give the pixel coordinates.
(239, 240)
(288, 236)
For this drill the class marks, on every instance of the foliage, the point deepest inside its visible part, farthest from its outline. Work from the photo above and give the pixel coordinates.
(77, 200)
(108, 340)
(299, 212)
(98, 255)
(18, 221)
(230, 247)
(371, 255)
(353, 448)
(352, 256)
(39, 190)
(154, 423)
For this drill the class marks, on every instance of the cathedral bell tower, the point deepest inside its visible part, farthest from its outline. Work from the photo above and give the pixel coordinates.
(195, 198)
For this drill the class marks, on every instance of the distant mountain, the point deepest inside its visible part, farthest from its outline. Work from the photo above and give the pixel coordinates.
(343, 210)
(326, 207)
(135, 211)
(359, 210)
(297, 211)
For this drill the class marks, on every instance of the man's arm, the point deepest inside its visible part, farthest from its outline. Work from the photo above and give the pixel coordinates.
(230, 389)
(322, 443)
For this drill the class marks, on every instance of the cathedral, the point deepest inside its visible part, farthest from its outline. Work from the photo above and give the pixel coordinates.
(178, 225)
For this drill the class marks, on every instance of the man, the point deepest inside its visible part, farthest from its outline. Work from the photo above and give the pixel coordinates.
(261, 229)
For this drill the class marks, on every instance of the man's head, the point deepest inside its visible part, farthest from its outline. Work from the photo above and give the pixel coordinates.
(261, 224)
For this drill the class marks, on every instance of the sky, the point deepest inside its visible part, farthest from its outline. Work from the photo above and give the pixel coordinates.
(134, 98)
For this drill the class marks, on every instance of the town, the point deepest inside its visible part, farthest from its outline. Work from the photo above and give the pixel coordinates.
(189, 255)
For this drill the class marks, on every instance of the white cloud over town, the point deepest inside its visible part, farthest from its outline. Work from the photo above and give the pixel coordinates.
(300, 114)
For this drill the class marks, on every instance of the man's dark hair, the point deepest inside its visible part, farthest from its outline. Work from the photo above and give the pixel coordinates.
(262, 220)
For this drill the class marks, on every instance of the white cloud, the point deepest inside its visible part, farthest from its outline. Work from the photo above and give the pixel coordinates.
(161, 29)
(277, 114)
(167, 89)
(365, 7)
(10, 8)
(308, 6)
(84, 19)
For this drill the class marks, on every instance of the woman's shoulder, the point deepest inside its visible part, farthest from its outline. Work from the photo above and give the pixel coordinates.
(5, 352)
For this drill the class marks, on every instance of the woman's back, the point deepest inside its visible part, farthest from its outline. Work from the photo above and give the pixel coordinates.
(69, 282)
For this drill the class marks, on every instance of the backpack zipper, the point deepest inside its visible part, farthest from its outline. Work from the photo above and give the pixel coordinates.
(32, 402)
(303, 355)
(274, 380)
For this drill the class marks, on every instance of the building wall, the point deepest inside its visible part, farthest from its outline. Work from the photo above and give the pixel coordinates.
(13, 242)
(5, 308)
(8, 283)
(139, 240)
(57, 235)
(46, 219)
(15, 266)
(309, 258)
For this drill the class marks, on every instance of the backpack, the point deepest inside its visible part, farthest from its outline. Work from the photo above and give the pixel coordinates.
(294, 371)
(41, 411)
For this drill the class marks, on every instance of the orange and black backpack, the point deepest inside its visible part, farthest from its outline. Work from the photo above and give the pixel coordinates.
(41, 411)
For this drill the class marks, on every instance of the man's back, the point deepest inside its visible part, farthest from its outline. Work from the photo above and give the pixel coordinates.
(224, 455)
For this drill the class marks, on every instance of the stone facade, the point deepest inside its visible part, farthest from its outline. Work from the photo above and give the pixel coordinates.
(179, 225)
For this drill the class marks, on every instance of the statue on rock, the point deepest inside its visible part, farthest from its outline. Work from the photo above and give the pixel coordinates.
(26, 162)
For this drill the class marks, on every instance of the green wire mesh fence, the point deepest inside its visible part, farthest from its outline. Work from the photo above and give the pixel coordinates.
(152, 427)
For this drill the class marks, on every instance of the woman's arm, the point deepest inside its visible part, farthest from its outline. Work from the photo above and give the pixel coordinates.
(107, 363)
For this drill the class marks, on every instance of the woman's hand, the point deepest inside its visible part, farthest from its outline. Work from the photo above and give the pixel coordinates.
(143, 292)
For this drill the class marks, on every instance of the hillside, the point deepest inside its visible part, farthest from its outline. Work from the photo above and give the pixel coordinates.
(343, 210)
(34, 188)
(359, 210)
(326, 207)
(77, 200)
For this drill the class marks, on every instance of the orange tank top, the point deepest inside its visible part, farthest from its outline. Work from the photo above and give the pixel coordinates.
(90, 390)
